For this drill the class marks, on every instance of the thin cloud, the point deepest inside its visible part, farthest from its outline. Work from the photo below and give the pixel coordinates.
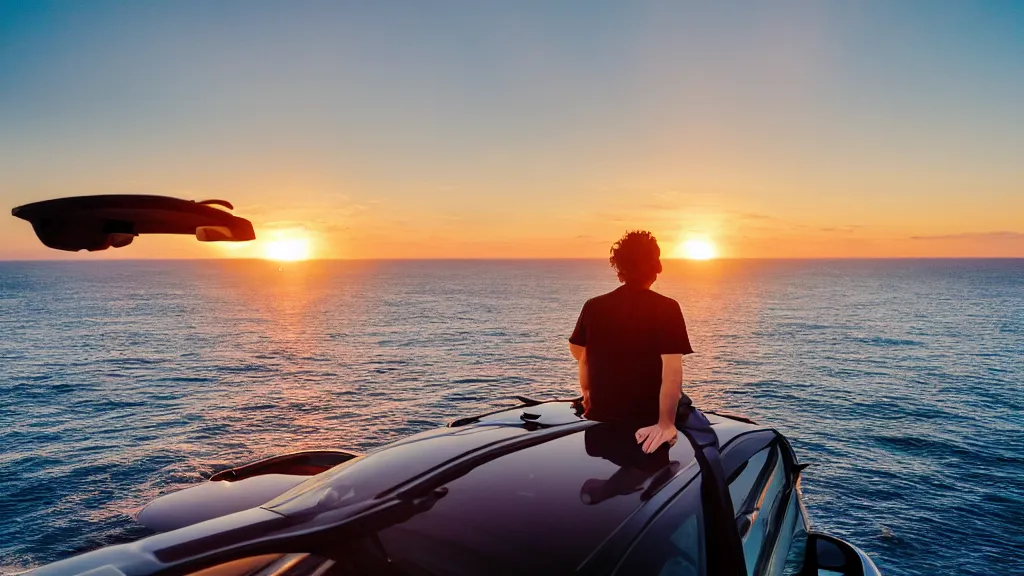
(751, 216)
(1003, 235)
(842, 229)
(280, 224)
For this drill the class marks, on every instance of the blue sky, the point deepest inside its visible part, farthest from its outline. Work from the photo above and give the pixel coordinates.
(533, 128)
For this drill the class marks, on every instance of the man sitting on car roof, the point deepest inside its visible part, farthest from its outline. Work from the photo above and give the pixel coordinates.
(630, 344)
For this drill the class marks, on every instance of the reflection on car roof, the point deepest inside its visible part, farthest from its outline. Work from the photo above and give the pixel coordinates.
(556, 501)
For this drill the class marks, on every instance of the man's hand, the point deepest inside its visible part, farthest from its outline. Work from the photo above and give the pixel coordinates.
(580, 354)
(652, 437)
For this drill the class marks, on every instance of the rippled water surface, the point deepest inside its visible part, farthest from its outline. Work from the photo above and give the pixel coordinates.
(902, 381)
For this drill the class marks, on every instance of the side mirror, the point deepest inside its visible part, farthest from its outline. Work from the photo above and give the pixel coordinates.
(829, 556)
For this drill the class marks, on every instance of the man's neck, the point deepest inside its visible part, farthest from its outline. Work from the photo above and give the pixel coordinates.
(636, 286)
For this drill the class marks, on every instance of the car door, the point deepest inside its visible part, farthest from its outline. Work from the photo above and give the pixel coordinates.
(674, 542)
(762, 477)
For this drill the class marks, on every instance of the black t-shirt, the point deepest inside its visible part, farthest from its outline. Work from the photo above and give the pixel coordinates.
(625, 333)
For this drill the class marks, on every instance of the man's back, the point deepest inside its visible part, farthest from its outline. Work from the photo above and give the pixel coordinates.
(625, 332)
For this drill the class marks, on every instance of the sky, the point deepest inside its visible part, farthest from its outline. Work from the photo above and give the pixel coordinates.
(489, 129)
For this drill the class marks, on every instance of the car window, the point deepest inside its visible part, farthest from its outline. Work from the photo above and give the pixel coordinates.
(742, 485)
(788, 558)
(761, 511)
(673, 545)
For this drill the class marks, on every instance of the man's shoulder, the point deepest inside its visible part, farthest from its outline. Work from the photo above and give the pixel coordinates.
(662, 299)
(602, 298)
(622, 294)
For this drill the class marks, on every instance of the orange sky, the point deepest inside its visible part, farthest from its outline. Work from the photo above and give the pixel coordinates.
(812, 130)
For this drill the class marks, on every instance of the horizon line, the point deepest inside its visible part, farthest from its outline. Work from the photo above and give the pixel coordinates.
(514, 259)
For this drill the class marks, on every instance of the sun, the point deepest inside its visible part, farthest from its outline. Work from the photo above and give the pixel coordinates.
(288, 248)
(696, 249)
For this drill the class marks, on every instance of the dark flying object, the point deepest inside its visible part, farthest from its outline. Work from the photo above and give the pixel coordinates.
(99, 222)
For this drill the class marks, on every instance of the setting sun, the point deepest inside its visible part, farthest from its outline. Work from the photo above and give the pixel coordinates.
(288, 248)
(696, 249)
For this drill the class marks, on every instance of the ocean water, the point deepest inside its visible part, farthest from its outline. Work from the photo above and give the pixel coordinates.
(902, 381)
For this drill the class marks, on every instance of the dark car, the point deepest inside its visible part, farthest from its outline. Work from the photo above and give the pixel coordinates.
(534, 489)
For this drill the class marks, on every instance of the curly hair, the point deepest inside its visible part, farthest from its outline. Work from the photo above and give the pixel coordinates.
(636, 257)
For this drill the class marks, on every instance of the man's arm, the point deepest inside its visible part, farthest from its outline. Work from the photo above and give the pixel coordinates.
(671, 388)
(654, 436)
(577, 351)
(580, 354)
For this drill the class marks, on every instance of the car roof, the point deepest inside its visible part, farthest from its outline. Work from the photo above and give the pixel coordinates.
(535, 484)
(443, 454)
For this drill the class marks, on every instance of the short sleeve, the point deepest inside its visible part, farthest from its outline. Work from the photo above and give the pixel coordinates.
(579, 334)
(672, 336)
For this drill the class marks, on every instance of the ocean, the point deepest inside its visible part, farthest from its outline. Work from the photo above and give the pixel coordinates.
(901, 381)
